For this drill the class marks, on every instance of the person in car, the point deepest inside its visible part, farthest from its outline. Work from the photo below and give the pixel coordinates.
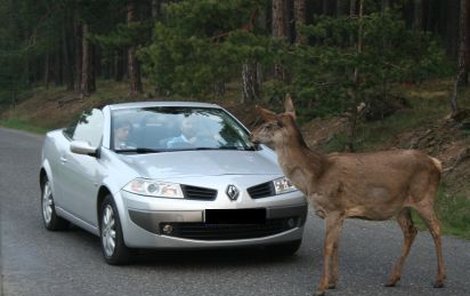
(192, 136)
(122, 129)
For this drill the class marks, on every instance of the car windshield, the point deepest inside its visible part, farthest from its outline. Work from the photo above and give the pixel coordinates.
(158, 129)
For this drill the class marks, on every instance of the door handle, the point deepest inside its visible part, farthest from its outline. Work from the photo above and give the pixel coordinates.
(63, 159)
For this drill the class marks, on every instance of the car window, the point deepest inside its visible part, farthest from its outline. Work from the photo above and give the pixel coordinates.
(89, 127)
(68, 131)
(178, 128)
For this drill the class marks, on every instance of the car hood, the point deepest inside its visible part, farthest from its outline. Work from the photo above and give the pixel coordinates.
(203, 163)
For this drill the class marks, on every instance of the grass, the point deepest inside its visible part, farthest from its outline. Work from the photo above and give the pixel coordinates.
(428, 103)
(24, 125)
(454, 213)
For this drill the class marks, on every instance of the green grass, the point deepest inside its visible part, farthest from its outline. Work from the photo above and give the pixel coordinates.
(454, 213)
(428, 103)
(19, 124)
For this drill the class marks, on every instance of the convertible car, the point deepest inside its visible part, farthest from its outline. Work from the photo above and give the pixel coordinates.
(167, 175)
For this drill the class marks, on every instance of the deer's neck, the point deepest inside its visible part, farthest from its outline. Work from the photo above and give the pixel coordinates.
(300, 164)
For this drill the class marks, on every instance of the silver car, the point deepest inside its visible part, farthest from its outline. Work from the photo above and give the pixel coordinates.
(167, 175)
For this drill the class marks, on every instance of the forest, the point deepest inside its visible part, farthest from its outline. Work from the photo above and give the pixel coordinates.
(327, 53)
(344, 62)
(332, 56)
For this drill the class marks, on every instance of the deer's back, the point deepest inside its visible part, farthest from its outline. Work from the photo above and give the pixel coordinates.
(375, 185)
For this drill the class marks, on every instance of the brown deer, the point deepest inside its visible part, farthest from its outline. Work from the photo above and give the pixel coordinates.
(373, 186)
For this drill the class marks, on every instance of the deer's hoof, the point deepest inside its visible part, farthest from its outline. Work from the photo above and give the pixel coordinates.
(392, 282)
(439, 284)
(332, 286)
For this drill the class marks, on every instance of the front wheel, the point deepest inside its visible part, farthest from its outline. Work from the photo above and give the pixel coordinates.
(49, 215)
(112, 241)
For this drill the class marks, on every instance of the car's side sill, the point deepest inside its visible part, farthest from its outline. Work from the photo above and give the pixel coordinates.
(77, 221)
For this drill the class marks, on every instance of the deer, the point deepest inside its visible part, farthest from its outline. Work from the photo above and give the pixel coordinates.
(375, 186)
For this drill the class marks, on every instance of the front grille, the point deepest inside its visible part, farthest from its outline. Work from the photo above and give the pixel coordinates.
(198, 193)
(209, 232)
(262, 190)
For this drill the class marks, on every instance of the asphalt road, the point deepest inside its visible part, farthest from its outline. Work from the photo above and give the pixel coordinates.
(35, 262)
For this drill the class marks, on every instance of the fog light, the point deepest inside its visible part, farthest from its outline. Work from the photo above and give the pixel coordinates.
(291, 222)
(167, 229)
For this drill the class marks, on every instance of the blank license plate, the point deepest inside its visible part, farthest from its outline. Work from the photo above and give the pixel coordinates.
(236, 216)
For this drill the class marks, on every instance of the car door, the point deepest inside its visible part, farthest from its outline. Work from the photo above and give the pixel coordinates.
(81, 174)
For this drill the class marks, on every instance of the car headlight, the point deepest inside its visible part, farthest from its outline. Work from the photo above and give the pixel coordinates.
(283, 185)
(154, 188)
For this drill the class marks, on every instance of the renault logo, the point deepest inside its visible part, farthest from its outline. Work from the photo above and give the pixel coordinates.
(232, 192)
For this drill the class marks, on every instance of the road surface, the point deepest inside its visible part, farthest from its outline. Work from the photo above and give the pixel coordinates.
(36, 262)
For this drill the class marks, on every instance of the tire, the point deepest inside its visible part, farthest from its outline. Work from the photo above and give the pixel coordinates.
(285, 249)
(114, 250)
(49, 216)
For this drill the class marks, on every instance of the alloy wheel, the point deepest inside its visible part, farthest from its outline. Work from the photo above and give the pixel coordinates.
(47, 203)
(108, 227)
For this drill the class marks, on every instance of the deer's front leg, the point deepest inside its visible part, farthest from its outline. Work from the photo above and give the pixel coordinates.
(333, 223)
(334, 272)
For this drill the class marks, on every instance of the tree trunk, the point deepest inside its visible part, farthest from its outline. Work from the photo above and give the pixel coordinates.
(85, 85)
(464, 48)
(156, 9)
(47, 70)
(342, 7)
(418, 15)
(279, 21)
(92, 68)
(219, 89)
(250, 82)
(464, 56)
(356, 82)
(78, 55)
(452, 30)
(67, 36)
(325, 7)
(119, 68)
(300, 20)
(133, 65)
(384, 5)
(279, 31)
(352, 8)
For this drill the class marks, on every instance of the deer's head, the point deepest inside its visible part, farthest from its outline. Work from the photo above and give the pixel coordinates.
(277, 128)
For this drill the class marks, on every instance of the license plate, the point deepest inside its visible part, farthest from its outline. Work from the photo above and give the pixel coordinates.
(235, 216)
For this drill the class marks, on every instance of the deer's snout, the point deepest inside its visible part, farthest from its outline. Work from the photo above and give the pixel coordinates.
(254, 139)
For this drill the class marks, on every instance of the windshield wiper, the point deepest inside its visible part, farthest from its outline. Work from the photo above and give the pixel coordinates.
(140, 150)
(250, 148)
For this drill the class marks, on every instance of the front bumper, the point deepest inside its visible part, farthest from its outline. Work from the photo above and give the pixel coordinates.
(169, 223)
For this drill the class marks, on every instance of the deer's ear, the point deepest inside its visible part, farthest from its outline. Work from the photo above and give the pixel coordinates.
(266, 114)
(289, 106)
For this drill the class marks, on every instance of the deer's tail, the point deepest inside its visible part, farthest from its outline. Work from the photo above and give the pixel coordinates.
(437, 163)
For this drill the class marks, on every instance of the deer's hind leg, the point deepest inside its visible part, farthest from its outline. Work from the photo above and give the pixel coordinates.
(409, 233)
(426, 211)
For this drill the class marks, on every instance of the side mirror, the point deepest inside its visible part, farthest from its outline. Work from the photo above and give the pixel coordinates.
(82, 147)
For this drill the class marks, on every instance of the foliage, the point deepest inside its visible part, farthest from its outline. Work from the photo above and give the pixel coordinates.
(200, 44)
(323, 72)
